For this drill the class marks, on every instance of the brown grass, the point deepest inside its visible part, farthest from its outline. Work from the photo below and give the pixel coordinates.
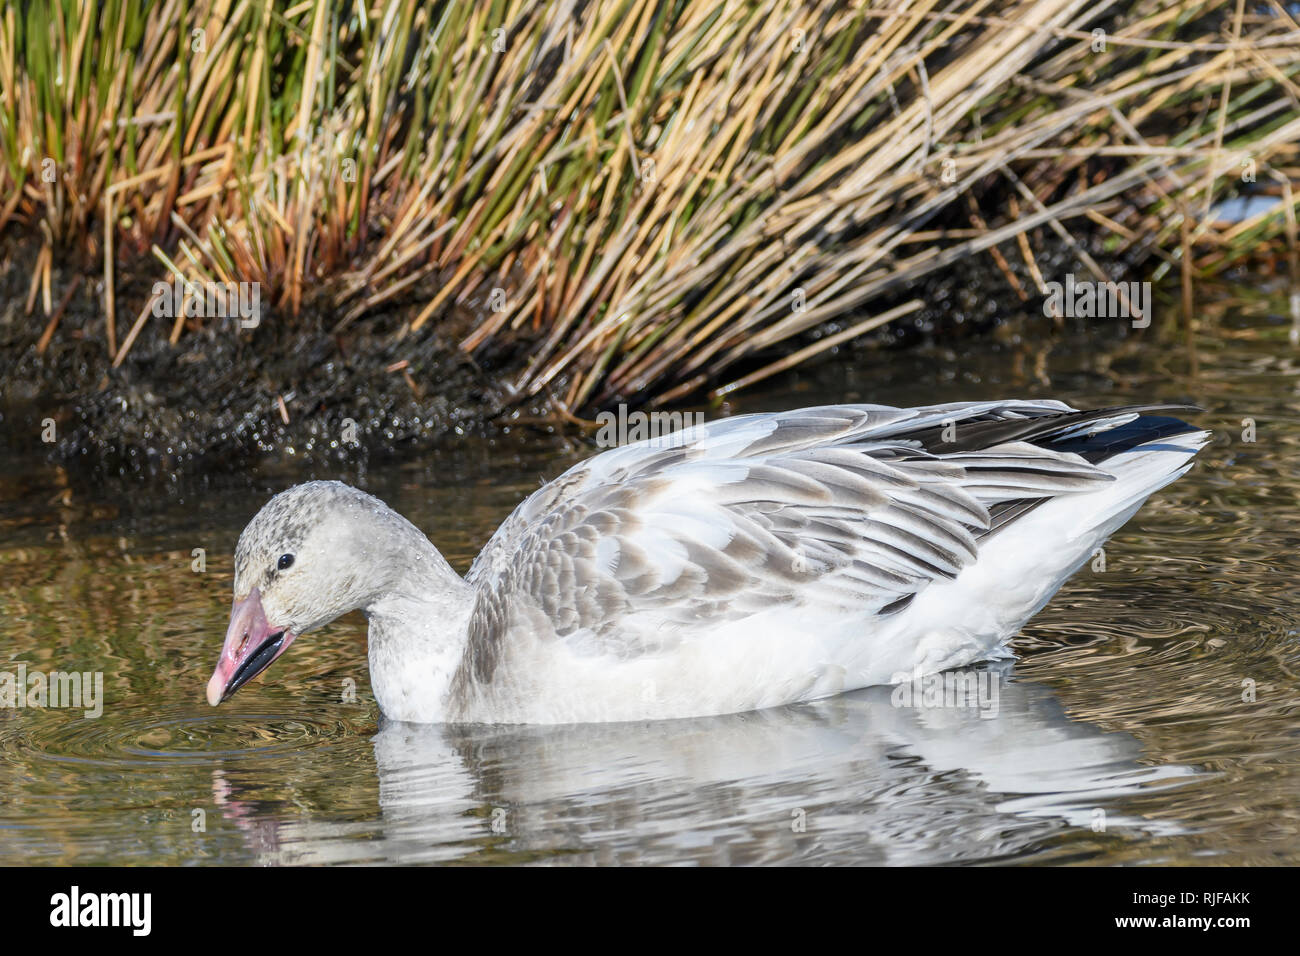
(660, 194)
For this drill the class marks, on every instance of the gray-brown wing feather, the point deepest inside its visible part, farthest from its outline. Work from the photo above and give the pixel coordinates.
(840, 506)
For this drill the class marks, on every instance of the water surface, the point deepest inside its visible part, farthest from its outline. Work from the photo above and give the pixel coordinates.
(1150, 716)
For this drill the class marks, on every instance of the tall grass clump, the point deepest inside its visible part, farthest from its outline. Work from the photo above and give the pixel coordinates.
(654, 196)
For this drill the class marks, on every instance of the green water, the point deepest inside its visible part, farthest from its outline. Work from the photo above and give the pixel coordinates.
(1121, 733)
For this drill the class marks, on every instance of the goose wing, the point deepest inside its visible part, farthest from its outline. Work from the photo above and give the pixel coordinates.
(855, 507)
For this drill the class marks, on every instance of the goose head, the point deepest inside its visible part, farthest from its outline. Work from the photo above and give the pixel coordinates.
(313, 553)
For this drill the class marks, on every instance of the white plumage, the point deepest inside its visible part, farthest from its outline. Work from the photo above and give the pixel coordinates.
(745, 563)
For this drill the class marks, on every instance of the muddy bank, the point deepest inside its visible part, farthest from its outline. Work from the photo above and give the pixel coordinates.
(225, 395)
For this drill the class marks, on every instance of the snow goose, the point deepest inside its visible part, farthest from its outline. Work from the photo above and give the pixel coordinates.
(739, 564)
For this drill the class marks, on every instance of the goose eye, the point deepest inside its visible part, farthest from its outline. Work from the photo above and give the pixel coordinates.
(286, 560)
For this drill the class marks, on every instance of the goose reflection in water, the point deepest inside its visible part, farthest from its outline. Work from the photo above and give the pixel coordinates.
(855, 777)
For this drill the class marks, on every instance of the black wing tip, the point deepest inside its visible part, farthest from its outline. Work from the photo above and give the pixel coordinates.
(975, 435)
(1140, 409)
(1101, 445)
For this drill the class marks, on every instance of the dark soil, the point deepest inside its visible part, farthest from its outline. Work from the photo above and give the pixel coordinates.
(222, 395)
